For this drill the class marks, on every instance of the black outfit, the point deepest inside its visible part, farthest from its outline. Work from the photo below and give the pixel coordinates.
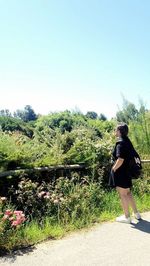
(121, 177)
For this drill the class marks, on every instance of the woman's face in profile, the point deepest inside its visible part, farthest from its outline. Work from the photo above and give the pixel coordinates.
(117, 133)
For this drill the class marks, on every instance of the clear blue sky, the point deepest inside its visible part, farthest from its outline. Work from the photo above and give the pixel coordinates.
(68, 54)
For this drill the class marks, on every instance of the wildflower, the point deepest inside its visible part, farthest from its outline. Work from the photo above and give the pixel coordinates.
(11, 218)
(20, 218)
(46, 197)
(3, 199)
(42, 193)
(56, 201)
(15, 223)
(18, 212)
(61, 199)
(8, 212)
(5, 217)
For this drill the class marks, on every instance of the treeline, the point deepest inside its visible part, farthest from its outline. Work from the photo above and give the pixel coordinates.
(28, 114)
(24, 120)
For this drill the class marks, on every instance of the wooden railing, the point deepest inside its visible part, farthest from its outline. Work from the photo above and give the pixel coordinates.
(145, 161)
(43, 169)
(50, 169)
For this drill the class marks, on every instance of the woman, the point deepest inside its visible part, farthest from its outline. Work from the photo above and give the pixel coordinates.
(119, 173)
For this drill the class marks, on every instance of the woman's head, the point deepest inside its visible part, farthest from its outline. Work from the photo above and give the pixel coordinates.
(122, 130)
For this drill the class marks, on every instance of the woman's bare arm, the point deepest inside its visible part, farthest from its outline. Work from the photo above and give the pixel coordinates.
(117, 164)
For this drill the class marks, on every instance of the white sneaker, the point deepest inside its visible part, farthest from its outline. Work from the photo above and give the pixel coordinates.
(123, 219)
(137, 216)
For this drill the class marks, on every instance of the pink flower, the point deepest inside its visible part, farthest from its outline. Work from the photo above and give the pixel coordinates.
(20, 217)
(8, 212)
(14, 217)
(23, 219)
(18, 212)
(15, 223)
(18, 221)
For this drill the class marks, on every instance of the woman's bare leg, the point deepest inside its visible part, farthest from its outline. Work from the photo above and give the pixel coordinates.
(123, 193)
(126, 200)
(132, 202)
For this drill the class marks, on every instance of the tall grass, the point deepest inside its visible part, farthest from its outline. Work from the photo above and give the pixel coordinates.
(140, 134)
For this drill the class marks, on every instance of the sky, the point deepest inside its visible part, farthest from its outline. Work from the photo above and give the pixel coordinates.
(74, 54)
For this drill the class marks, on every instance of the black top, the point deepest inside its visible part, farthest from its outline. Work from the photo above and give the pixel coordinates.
(122, 150)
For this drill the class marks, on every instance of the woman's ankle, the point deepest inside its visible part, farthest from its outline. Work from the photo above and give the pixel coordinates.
(127, 215)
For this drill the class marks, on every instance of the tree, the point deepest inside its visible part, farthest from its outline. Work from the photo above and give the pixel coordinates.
(102, 117)
(30, 115)
(5, 112)
(27, 114)
(128, 113)
(91, 114)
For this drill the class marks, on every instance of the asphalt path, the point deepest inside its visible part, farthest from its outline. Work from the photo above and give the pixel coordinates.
(109, 244)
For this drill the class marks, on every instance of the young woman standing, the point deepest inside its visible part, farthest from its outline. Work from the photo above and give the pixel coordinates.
(121, 178)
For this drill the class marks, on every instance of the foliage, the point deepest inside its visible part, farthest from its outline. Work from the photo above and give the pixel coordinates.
(64, 121)
(102, 117)
(141, 133)
(128, 113)
(8, 123)
(91, 115)
(11, 220)
(39, 198)
(83, 206)
(27, 114)
(9, 151)
(5, 112)
(76, 199)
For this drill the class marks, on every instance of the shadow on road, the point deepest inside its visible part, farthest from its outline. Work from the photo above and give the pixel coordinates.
(11, 257)
(142, 225)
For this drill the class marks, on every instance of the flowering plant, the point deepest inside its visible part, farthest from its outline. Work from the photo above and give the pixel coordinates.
(14, 218)
(9, 219)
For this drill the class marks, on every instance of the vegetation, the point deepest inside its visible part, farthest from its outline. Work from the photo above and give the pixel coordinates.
(51, 204)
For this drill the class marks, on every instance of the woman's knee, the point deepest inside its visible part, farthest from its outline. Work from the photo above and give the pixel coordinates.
(123, 192)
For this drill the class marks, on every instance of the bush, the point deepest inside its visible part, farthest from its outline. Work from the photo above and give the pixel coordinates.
(11, 221)
(58, 198)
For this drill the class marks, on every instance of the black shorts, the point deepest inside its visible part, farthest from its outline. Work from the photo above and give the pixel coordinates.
(120, 179)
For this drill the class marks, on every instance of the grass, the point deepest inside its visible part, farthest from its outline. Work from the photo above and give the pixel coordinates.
(112, 207)
(34, 232)
(143, 202)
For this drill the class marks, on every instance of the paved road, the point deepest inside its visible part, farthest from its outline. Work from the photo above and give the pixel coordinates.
(109, 244)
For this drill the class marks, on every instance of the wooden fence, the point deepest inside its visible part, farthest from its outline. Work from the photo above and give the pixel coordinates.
(72, 167)
(145, 161)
